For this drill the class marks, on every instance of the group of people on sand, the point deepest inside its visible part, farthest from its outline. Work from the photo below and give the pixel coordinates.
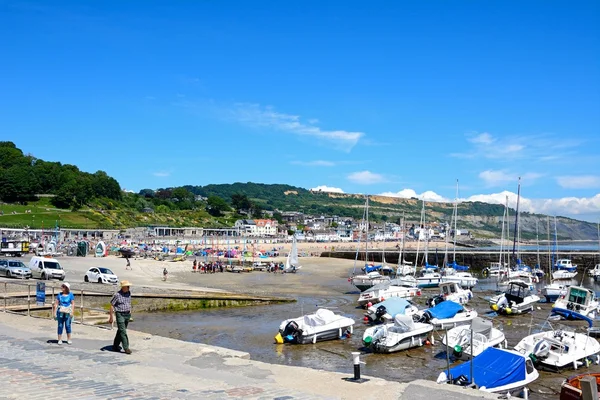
(63, 311)
(207, 268)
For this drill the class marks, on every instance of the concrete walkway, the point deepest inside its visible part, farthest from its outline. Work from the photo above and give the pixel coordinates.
(34, 366)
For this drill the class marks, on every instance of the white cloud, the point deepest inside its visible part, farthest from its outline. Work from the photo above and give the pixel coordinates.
(161, 174)
(260, 116)
(315, 163)
(579, 182)
(502, 177)
(329, 189)
(482, 138)
(410, 193)
(366, 177)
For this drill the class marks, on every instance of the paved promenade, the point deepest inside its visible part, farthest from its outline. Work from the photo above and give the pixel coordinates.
(34, 366)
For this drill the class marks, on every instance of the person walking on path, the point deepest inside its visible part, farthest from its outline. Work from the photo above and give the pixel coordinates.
(128, 266)
(165, 274)
(120, 305)
(62, 309)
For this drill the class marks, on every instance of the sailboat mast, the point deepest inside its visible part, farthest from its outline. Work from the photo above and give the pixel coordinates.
(516, 233)
(455, 222)
(400, 255)
(548, 244)
(419, 240)
(502, 234)
(367, 230)
(537, 239)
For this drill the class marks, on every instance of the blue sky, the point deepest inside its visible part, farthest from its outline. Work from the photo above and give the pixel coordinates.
(400, 98)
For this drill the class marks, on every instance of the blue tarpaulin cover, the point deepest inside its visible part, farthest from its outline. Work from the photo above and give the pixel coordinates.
(394, 306)
(493, 368)
(371, 268)
(446, 309)
(458, 267)
(429, 266)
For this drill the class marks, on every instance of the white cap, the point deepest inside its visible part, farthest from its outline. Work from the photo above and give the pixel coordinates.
(67, 285)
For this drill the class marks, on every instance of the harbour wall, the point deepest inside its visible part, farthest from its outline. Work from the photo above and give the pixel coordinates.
(476, 259)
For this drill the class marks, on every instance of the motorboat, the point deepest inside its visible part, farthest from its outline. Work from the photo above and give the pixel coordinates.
(571, 387)
(386, 290)
(429, 279)
(408, 280)
(466, 341)
(311, 328)
(577, 303)
(388, 309)
(405, 268)
(529, 281)
(451, 291)
(399, 335)
(447, 314)
(517, 299)
(595, 272)
(368, 280)
(559, 348)
(564, 269)
(495, 270)
(553, 291)
(464, 279)
(494, 370)
(537, 271)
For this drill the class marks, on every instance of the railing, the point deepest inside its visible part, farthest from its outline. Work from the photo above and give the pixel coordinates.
(82, 308)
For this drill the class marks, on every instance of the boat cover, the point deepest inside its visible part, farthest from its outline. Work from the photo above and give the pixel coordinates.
(429, 266)
(493, 368)
(371, 268)
(394, 306)
(373, 275)
(458, 267)
(446, 309)
(570, 314)
(482, 326)
(403, 323)
(323, 316)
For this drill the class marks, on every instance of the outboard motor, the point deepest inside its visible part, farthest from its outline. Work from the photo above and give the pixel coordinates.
(435, 300)
(541, 349)
(379, 313)
(291, 332)
(424, 318)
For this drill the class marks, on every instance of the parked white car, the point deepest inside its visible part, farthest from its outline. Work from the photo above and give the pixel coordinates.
(46, 268)
(100, 275)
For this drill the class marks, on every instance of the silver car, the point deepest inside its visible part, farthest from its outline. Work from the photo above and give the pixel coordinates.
(14, 269)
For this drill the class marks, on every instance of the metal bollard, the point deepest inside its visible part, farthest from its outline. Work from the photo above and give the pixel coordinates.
(356, 362)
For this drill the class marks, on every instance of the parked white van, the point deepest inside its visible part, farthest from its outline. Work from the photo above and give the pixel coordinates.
(46, 268)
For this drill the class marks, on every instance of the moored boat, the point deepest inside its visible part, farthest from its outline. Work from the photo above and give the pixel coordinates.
(311, 328)
(578, 303)
(517, 299)
(453, 292)
(553, 291)
(464, 279)
(571, 387)
(387, 290)
(387, 310)
(494, 370)
(482, 333)
(399, 335)
(447, 314)
(366, 281)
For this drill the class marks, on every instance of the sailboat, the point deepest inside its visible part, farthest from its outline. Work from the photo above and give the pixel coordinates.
(429, 278)
(404, 267)
(595, 272)
(291, 262)
(371, 277)
(455, 272)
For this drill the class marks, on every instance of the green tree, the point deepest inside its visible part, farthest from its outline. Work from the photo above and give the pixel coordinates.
(216, 206)
(240, 202)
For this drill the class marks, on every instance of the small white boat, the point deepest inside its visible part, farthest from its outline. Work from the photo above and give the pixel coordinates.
(484, 336)
(445, 315)
(517, 299)
(577, 303)
(464, 279)
(563, 274)
(312, 328)
(429, 279)
(387, 290)
(556, 349)
(399, 335)
(529, 281)
(406, 269)
(553, 291)
(292, 264)
(453, 292)
(368, 280)
(408, 280)
(494, 370)
(595, 272)
(388, 309)
(495, 270)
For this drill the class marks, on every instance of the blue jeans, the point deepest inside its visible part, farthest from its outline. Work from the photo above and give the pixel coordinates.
(64, 319)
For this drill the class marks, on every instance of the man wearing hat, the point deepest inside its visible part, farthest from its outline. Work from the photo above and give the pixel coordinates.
(120, 305)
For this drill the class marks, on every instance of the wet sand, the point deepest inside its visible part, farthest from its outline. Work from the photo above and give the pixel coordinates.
(322, 282)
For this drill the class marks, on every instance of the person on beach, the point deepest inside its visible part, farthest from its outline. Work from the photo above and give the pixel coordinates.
(62, 309)
(165, 274)
(120, 306)
(128, 266)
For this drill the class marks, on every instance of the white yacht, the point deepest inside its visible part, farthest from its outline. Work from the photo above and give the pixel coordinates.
(368, 280)
(464, 279)
(453, 292)
(517, 299)
(388, 309)
(577, 303)
(387, 290)
(445, 315)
